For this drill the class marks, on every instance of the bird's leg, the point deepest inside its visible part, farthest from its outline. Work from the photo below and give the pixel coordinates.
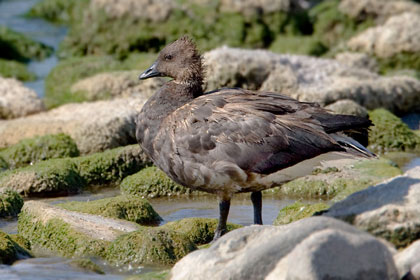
(224, 206)
(256, 198)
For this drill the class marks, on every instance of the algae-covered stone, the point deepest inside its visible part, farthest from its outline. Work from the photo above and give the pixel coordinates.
(55, 176)
(111, 165)
(14, 69)
(199, 230)
(346, 177)
(11, 251)
(58, 11)
(149, 246)
(10, 203)
(389, 133)
(86, 265)
(69, 233)
(152, 182)
(297, 211)
(29, 151)
(155, 275)
(124, 207)
(16, 46)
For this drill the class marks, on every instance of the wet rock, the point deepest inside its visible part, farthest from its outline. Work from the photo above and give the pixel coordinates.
(199, 230)
(149, 246)
(337, 250)
(69, 233)
(17, 101)
(389, 133)
(309, 79)
(358, 60)
(152, 182)
(389, 210)
(336, 179)
(10, 251)
(10, 203)
(123, 207)
(377, 9)
(29, 151)
(298, 211)
(347, 107)
(400, 33)
(407, 259)
(95, 126)
(116, 84)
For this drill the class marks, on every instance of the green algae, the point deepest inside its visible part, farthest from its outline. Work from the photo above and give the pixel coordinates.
(159, 275)
(403, 60)
(199, 230)
(10, 251)
(31, 150)
(128, 208)
(58, 11)
(149, 246)
(152, 182)
(86, 265)
(10, 203)
(297, 211)
(15, 69)
(389, 133)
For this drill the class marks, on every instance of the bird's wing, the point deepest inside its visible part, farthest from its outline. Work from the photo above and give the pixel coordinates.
(259, 133)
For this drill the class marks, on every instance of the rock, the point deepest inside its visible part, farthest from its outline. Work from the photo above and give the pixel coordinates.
(32, 150)
(151, 182)
(357, 60)
(313, 248)
(17, 101)
(10, 203)
(389, 133)
(297, 211)
(250, 7)
(389, 210)
(70, 175)
(199, 230)
(156, 246)
(116, 84)
(95, 126)
(309, 79)
(347, 107)
(336, 179)
(407, 259)
(10, 251)
(123, 207)
(378, 9)
(69, 233)
(400, 33)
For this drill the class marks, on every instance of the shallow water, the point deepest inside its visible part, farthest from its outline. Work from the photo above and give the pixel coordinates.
(11, 15)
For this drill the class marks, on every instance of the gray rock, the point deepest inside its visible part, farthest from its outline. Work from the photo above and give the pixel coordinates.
(249, 7)
(309, 79)
(312, 248)
(347, 107)
(390, 210)
(95, 126)
(400, 33)
(378, 9)
(358, 60)
(17, 101)
(407, 259)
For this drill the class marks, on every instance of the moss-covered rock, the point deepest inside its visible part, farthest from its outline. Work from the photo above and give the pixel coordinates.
(297, 211)
(199, 230)
(10, 203)
(86, 265)
(123, 207)
(10, 251)
(152, 182)
(51, 177)
(155, 275)
(14, 69)
(29, 151)
(112, 165)
(16, 46)
(352, 176)
(389, 133)
(157, 246)
(307, 45)
(58, 11)
(400, 61)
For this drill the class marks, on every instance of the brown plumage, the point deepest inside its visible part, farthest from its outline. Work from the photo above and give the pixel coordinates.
(235, 140)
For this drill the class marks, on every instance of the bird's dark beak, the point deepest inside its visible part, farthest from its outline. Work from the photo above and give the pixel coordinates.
(149, 73)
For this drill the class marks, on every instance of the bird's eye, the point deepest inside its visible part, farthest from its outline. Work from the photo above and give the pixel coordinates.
(168, 57)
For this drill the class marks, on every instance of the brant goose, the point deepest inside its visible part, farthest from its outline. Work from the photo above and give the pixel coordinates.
(233, 140)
